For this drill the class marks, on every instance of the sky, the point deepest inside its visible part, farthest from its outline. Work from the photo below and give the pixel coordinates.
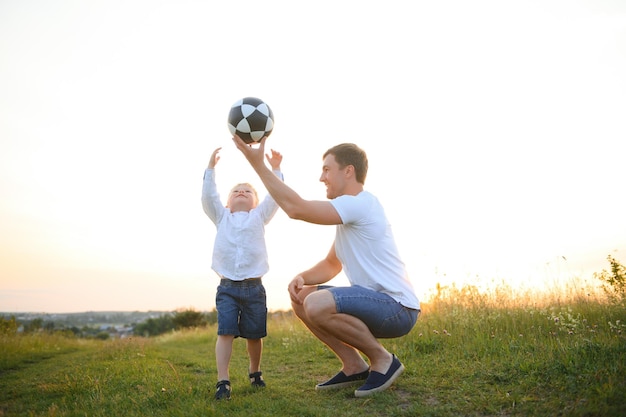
(494, 132)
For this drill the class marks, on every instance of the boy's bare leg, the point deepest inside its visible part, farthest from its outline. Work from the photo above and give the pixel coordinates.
(255, 349)
(223, 352)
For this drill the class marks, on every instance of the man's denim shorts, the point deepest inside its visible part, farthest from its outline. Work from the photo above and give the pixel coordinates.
(384, 316)
(241, 308)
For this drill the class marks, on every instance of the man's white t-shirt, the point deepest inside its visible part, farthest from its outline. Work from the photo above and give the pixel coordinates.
(365, 245)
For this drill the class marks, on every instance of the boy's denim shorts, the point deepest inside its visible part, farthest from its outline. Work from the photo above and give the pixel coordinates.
(384, 316)
(241, 308)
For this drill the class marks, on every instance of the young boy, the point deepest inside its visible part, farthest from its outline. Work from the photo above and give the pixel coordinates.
(240, 259)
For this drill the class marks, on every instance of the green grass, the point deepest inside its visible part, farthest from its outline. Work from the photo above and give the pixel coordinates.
(470, 354)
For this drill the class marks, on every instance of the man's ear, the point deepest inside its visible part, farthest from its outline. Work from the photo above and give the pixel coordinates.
(350, 171)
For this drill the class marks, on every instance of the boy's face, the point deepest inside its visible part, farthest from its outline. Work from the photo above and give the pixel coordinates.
(241, 198)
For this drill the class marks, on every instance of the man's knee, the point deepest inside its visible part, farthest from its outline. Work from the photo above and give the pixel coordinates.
(297, 309)
(319, 305)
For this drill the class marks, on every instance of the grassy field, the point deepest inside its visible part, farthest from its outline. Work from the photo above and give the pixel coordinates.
(470, 354)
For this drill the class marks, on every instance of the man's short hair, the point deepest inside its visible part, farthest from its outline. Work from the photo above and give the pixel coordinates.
(349, 154)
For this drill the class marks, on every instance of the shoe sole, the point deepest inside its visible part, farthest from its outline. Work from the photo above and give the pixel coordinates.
(339, 385)
(383, 387)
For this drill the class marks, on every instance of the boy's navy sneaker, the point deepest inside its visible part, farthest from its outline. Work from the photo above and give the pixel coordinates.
(256, 379)
(223, 390)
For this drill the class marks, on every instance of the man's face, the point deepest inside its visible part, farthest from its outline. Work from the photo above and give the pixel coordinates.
(333, 177)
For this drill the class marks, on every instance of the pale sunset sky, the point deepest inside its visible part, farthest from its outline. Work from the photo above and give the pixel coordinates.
(495, 132)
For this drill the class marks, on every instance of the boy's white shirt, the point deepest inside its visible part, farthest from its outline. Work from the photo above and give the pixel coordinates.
(239, 250)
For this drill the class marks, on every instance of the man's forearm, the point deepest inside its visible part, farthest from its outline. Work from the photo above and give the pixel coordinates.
(284, 196)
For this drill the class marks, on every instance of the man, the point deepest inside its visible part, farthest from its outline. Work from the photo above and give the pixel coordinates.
(380, 302)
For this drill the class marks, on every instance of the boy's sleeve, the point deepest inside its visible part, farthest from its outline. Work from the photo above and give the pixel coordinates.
(211, 202)
(268, 206)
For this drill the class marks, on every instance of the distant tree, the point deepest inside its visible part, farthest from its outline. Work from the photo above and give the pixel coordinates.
(189, 318)
(211, 316)
(102, 335)
(614, 282)
(8, 326)
(155, 326)
(49, 326)
(33, 326)
(86, 330)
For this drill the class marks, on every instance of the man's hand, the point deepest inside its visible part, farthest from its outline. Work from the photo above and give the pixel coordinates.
(254, 155)
(295, 286)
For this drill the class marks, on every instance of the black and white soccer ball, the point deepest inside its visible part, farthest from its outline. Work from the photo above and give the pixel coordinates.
(251, 119)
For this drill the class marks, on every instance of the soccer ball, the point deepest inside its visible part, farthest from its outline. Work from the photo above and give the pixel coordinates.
(251, 119)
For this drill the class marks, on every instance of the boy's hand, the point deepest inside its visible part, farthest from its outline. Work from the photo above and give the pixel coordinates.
(275, 159)
(214, 158)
